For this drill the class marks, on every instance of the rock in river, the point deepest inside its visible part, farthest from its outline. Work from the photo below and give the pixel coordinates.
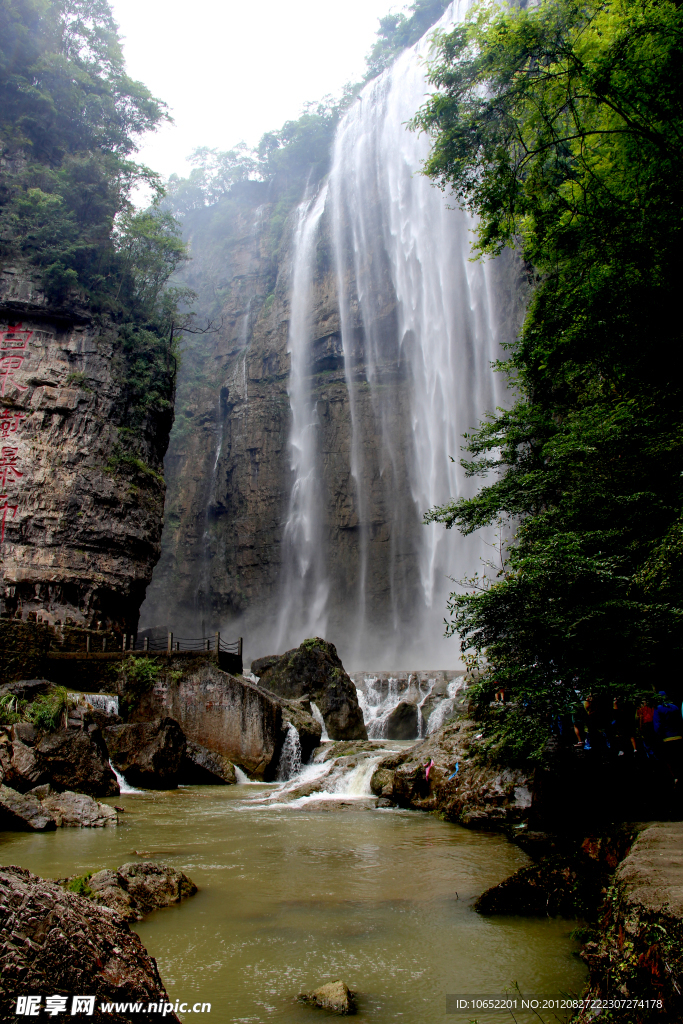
(73, 759)
(148, 754)
(137, 888)
(22, 812)
(402, 722)
(204, 767)
(314, 669)
(335, 996)
(58, 943)
(76, 810)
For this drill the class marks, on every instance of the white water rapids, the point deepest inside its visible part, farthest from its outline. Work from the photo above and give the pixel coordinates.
(415, 315)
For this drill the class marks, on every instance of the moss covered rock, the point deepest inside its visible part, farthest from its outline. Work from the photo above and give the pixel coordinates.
(314, 669)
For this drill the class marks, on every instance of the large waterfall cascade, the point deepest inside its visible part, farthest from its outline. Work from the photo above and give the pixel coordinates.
(417, 315)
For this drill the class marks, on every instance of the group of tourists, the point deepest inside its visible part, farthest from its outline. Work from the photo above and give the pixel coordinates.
(612, 727)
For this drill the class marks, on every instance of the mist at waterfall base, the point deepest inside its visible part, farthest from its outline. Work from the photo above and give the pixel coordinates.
(421, 325)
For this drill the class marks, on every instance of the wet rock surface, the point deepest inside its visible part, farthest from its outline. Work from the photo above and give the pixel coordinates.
(137, 888)
(402, 723)
(457, 784)
(23, 812)
(571, 876)
(56, 942)
(335, 996)
(203, 767)
(148, 754)
(314, 669)
(73, 759)
(76, 810)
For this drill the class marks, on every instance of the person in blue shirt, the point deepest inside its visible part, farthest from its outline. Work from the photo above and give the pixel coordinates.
(668, 728)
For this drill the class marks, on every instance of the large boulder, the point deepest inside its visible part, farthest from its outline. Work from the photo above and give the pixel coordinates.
(77, 760)
(314, 670)
(148, 754)
(402, 723)
(137, 888)
(204, 767)
(73, 759)
(76, 810)
(26, 689)
(23, 812)
(58, 943)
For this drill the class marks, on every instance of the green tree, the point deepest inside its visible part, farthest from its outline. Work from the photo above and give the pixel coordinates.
(561, 128)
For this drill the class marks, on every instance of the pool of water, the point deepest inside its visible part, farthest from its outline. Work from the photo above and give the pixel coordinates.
(292, 897)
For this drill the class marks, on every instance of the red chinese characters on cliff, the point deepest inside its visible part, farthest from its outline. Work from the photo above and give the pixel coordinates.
(13, 345)
(14, 340)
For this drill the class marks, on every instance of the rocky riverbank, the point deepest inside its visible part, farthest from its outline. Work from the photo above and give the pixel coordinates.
(59, 943)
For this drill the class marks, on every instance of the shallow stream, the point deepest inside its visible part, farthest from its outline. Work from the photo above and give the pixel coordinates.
(293, 896)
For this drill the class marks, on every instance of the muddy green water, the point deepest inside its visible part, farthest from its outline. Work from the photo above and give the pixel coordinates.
(290, 898)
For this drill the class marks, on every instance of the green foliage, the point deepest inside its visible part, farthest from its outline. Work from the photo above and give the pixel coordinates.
(137, 677)
(69, 122)
(48, 711)
(9, 710)
(80, 886)
(560, 127)
(398, 31)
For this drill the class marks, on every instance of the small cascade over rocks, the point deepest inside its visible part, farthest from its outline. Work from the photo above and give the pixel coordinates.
(124, 787)
(446, 707)
(380, 693)
(317, 714)
(290, 759)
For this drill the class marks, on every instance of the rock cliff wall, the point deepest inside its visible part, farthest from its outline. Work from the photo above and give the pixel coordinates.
(80, 517)
(229, 465)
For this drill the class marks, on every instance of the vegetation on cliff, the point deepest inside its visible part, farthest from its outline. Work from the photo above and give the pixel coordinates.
(560, 127)
(69, 120)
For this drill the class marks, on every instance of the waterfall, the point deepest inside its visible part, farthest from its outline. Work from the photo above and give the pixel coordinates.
(317, 714)
(290, 757)
(420, 325)
(443, 711)
(304, 607)
(400, 249)
(123, 785)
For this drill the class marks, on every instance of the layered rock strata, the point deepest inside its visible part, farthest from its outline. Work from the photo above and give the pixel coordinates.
(80, 511)
(55, 942)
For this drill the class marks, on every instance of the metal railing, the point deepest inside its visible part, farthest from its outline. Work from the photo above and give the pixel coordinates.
(93, 644)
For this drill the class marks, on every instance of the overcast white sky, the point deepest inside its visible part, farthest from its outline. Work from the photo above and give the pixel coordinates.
(231, 70)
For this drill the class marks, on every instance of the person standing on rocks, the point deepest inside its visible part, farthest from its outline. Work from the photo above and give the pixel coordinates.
(668, 728)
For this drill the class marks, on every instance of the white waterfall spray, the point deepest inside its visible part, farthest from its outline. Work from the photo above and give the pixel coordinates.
(305, 608)
(290, 757)
(420, 327)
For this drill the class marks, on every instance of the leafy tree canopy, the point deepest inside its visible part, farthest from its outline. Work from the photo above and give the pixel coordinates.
(70, 118)
(561, 128)
(398, 30)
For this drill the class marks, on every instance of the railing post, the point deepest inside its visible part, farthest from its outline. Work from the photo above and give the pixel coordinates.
(145, 646)
(87, 643)
(104, 643)
(177, 645)
(124, 642)
(218, 643)
(206, 643)
(170, 643)
(240, 646)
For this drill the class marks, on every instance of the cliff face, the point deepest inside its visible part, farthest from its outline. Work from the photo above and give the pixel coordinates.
(80, 515)
(229, 464)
